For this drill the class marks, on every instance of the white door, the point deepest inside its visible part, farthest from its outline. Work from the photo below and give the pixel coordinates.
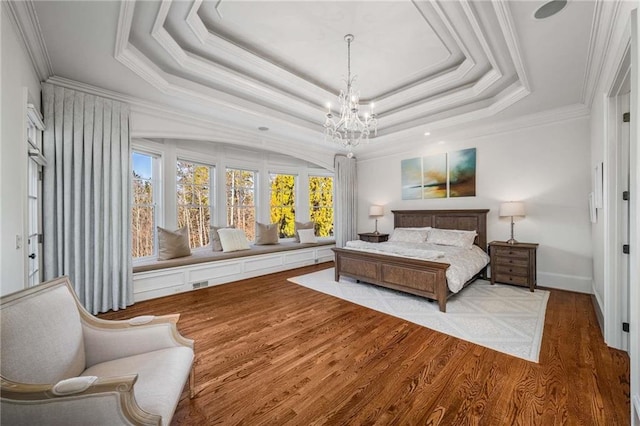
(623, 208)
(34, 220)
(634, 225)
(35, 126)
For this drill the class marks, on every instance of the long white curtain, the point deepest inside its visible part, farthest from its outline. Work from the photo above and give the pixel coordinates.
(346, 209)
(86, 196)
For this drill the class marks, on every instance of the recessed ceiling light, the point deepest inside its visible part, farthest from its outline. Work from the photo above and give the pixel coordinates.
(263, 128)
(427, 133)
(550, 9)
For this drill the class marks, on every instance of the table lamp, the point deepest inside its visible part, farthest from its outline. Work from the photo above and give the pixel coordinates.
(376, 211)
(511, 209)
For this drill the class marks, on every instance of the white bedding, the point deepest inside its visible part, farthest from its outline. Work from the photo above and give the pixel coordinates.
(464, 262)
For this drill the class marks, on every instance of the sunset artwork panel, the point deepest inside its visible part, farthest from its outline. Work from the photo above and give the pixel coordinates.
(462, 173)
(411, 171)
(434, 176)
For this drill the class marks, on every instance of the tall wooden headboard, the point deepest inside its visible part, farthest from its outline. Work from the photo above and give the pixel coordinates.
(467, 220)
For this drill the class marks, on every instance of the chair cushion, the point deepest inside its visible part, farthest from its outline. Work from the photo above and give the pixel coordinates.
(161, 374)
(42, 339)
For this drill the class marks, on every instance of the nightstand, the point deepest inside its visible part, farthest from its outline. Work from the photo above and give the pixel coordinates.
(372, 237)
(513, 263)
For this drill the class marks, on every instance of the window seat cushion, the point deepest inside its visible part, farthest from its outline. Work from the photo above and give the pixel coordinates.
(206, 254)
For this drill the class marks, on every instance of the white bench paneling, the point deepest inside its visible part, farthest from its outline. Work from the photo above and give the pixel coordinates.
(302, 256)
(214, 270)
(256, 263)
(163, 282)
(158, 280)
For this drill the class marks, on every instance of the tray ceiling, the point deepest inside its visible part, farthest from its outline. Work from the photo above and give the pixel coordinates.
(415, 60)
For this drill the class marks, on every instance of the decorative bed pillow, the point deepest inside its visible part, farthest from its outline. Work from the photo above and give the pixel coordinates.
(172, 244)
(233, 239)
(266, 233)
(409, 235)
(307, 236)
(452, 237)
(215, 239)
(303, 225)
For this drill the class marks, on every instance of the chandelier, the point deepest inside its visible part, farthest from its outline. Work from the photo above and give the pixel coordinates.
(350, 129)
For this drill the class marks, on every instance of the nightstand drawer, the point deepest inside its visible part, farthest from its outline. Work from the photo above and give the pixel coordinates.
(521, 271)
(511, 279)
(511, 252)
(510, 261)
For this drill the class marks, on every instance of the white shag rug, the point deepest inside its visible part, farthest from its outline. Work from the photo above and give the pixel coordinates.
(505, 318)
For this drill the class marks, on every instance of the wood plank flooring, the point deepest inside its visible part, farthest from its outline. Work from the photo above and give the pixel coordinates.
(270, 352)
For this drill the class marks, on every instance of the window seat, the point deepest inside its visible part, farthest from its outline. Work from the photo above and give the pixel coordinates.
(207, 255)
(204, 267)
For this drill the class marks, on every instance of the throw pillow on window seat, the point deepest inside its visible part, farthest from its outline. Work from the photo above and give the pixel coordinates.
(266, 233)
(307, 236)
(233, 240)
(215, 239)
(172, 244)
(303, 225)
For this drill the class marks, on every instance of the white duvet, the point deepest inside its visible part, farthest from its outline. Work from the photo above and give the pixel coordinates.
(464, 262)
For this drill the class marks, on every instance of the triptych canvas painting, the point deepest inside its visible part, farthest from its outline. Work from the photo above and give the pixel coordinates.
(440, 176)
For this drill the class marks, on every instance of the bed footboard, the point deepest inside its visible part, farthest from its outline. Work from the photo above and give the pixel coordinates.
(419, 277)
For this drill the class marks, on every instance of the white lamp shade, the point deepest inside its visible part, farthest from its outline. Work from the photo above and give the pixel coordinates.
(512, 208)
(376, 211)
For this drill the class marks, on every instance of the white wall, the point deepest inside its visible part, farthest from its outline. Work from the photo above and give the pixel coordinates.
(547, 167)
(18, 76)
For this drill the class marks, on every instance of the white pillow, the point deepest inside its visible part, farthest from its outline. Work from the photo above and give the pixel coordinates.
(307, 236)
(409, 235)
(233, 239)
(451, 237)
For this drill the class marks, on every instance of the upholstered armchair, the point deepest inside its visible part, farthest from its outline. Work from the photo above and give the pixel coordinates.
(60, 365)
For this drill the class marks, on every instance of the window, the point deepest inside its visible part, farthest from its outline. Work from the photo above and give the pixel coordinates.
(144, 209)
(321, 204)
(241, 205)
(282, 203)
(194, 183)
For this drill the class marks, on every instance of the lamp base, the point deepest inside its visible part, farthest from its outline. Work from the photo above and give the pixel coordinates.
(512, 241)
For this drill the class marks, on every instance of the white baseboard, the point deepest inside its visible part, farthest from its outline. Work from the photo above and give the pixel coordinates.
(566, 282)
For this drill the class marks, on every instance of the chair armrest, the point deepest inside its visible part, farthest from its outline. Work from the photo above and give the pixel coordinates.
(107, 400)
(108, 340)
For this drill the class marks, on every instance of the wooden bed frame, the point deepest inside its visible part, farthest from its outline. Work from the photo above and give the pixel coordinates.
(420, 277)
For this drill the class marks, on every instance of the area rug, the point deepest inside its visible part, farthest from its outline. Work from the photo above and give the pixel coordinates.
(501, 317)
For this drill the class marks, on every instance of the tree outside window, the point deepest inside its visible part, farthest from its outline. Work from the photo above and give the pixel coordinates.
(144, 205)
(321, 204)
(282, 203)
(241, 206)
(193, 185)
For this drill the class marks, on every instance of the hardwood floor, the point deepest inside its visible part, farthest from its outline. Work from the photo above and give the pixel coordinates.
(271, 352)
